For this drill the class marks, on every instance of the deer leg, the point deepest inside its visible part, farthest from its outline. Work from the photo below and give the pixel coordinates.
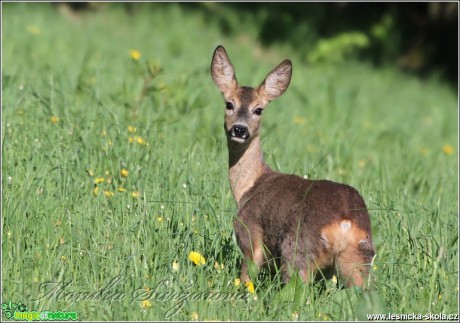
(254, 254)
(250, 241)
(295, 256)
(355, 261)
(305, 272)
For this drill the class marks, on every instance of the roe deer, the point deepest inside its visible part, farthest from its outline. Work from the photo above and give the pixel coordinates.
(302, 224)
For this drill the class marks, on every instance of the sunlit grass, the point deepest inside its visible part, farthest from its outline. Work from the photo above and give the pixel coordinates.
(115, 165)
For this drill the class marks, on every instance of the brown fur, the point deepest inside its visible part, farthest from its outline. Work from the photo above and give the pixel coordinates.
(306, 225)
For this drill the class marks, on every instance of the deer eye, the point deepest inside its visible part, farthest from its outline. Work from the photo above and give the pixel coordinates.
(258, 111)
(229, 106)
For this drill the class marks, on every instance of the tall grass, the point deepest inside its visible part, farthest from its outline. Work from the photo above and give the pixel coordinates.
(77, 108)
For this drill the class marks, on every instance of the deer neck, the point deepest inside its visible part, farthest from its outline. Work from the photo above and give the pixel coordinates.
(246, 166)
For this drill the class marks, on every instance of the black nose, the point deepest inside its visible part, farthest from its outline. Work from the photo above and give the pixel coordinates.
(240, 131)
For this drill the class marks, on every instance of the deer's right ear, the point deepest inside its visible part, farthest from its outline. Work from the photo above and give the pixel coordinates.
(222, 71)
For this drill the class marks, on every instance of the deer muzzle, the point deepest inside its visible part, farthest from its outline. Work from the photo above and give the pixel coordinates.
(239, 133)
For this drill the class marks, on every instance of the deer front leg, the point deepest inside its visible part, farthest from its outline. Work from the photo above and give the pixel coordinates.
(250, 240)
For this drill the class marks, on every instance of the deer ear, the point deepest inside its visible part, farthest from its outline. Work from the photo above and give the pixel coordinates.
(277, 81)
(222, 71)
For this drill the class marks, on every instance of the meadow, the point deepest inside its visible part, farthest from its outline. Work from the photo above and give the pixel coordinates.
(114, 169)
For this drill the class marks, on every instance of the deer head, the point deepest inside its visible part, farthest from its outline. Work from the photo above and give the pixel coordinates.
(244, 105)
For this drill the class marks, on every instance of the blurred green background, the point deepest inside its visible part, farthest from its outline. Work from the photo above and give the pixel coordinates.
(420, 38)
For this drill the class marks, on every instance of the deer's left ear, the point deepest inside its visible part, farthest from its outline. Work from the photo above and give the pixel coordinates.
(277, 81)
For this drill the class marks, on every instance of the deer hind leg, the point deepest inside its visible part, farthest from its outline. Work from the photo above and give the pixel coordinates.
(355, 260)
(295, 257)
(353, 250)
(308, 267)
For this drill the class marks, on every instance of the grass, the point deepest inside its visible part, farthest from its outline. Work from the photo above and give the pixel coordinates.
(73, 99)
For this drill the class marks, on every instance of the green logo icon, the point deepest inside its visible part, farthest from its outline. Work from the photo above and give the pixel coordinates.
(20, 312)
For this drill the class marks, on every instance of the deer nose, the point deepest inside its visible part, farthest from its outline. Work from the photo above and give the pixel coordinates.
(240, 131)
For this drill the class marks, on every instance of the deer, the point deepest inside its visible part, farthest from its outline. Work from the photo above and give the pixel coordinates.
(305, 226)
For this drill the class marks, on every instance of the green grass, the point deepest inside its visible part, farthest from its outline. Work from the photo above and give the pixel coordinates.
(385, 133)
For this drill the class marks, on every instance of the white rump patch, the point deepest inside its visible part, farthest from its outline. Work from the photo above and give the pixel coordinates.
(345, 226)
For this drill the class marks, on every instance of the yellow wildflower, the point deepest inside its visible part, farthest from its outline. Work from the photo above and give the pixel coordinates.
(96, 190)
(136, 194)
(447, 149)
(159, 219)
(54, 119)
(121, 189)
(334, 279)
(131, 129)
(194, 316)
(374, 268)
(99, 180)
(140, 141)
(137, 139)
(33, 30)
(108, 193)
(218, 266)
(237, 282)
(124, 173)
(250, 287)
(196, 258)
(146, 304)
(175, 266)
(299, 120)
(135, 54)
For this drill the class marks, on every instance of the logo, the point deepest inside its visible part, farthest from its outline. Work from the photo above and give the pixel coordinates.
(20, 312)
